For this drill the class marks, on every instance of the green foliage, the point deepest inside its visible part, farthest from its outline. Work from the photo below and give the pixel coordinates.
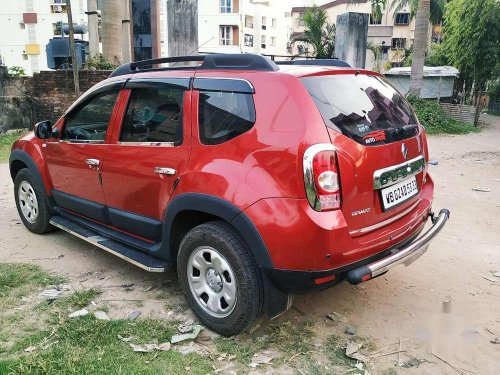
(6, 141)
(16, 71)
(378, 6)
(16, 275)
(98, 62)
(377, 55)
(437, 56)
(435, 121)
(472, 40)
(319, 33)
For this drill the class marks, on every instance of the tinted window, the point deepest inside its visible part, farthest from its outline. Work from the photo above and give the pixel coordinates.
(365, 108)
(89, 122)
(224, 115)
(154, 115)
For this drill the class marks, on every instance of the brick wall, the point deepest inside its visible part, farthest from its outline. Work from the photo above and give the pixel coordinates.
(45, 96)
(53, 91)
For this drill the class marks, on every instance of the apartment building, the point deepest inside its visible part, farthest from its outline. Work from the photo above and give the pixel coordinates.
(392, 31)
(235, 26)
(26, 27)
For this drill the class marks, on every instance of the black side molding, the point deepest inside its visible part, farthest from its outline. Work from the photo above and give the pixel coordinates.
(221, 208)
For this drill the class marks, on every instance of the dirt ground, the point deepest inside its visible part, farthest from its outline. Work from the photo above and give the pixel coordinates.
(442, 303)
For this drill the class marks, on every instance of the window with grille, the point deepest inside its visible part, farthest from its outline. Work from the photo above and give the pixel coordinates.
(226, 6)
(402, 19)
(226, 35)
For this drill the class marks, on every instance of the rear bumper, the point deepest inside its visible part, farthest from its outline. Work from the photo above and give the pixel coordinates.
(404, 253)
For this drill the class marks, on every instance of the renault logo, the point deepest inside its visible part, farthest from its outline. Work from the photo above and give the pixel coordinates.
(404, 150)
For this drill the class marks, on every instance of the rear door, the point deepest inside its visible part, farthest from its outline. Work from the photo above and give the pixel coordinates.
(74, 162)
(379, 146)
(148, 154)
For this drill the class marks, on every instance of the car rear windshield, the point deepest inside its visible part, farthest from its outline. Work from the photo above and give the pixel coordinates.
(363, 107)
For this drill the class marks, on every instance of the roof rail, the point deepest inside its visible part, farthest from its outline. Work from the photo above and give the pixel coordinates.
(320, 62)
(240, 61)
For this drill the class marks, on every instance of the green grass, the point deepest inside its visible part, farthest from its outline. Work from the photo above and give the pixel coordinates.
(86, 345)
(81, 345)
(18, 280)
(6, 141)
(435, 121)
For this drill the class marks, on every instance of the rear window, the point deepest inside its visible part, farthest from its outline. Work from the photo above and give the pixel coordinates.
(224, 115)
(365, 108)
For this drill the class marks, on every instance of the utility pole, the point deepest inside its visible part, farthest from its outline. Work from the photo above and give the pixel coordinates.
(74, 61)
(93, 27)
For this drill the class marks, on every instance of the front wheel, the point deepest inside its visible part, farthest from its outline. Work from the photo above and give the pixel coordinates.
(31, 203)
(220, 279)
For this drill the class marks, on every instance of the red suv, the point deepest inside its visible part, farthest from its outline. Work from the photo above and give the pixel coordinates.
(253, 180)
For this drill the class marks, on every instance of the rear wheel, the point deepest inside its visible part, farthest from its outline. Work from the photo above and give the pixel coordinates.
(219, 278)
(31, 203)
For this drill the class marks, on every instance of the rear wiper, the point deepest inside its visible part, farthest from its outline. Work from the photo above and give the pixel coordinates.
(406, 128)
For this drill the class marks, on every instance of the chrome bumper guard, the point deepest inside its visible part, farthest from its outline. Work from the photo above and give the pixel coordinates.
(406, 255)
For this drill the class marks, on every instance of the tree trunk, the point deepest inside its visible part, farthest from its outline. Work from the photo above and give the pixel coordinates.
(420, 46)
(112, 31)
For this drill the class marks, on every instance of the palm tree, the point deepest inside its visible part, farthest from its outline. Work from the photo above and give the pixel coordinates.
(112, 31)
(319, 33)
(419, 46)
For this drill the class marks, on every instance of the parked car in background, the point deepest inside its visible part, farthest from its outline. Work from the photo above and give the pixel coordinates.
(254, 181)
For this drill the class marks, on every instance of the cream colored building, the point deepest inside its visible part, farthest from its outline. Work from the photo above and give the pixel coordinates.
(235, 26)
(393, 32)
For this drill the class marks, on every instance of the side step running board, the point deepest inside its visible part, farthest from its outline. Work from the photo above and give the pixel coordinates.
(129, 254)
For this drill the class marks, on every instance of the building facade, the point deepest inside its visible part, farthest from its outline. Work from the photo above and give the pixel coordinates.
(236, 26)
(26, 27)
(393, 32)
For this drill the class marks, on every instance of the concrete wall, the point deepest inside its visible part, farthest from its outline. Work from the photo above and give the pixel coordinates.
(182, 24)
(351, 38)
(45, 96)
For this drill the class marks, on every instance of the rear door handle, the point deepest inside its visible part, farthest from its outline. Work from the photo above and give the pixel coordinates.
(165, 171)
(93, 162)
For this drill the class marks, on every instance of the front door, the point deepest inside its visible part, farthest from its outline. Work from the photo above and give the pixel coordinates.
(148, 154)
(74, 162)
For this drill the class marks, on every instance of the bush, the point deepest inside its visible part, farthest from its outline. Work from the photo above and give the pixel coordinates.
(435, 121)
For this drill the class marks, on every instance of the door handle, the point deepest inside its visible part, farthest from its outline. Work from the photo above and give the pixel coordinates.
(165, 171)
(93, 162)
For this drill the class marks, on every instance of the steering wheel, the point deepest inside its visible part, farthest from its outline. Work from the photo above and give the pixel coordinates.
(80, 134)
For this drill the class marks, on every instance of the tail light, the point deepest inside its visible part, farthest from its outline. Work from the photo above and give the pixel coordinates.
(321, 177)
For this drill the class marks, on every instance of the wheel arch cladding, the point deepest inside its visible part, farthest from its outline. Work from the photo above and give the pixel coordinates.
(214, 208)
(20, 159)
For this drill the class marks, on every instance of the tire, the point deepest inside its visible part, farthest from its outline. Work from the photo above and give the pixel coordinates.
(31, 203)
(220, 265)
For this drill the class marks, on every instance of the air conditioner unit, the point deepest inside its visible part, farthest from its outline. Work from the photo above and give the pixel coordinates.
(57, 8)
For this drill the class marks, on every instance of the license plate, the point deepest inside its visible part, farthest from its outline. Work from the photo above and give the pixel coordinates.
(398, 193)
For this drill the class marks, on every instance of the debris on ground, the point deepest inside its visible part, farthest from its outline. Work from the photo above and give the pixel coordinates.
(133, 315)
(412, 362)
(352, 351)
(51, 294)
(433, 162)
(187, 336)
(496, 340)
(30, 349)
(186, 326)
(130, 285)
(124, 339)
(148, 348)
(350, 330)
(192, 347)
(148, 288)
(78, 313)
(336, 317)
(207, 335)
(482, 189)
(262, 358)
(101, 315)
(491, 279)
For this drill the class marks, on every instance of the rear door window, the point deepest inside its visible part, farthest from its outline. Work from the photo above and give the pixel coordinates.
(224, 115)
(154, 115)
(365, 108)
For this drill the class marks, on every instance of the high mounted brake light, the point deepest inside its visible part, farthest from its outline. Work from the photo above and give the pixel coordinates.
(321, 177)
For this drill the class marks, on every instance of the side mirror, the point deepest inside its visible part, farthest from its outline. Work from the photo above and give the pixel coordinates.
(43, 130)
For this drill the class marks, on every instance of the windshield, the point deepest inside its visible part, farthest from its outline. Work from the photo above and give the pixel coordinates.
(363, 107)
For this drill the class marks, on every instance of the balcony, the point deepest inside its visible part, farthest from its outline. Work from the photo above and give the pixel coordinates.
(380, 31)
